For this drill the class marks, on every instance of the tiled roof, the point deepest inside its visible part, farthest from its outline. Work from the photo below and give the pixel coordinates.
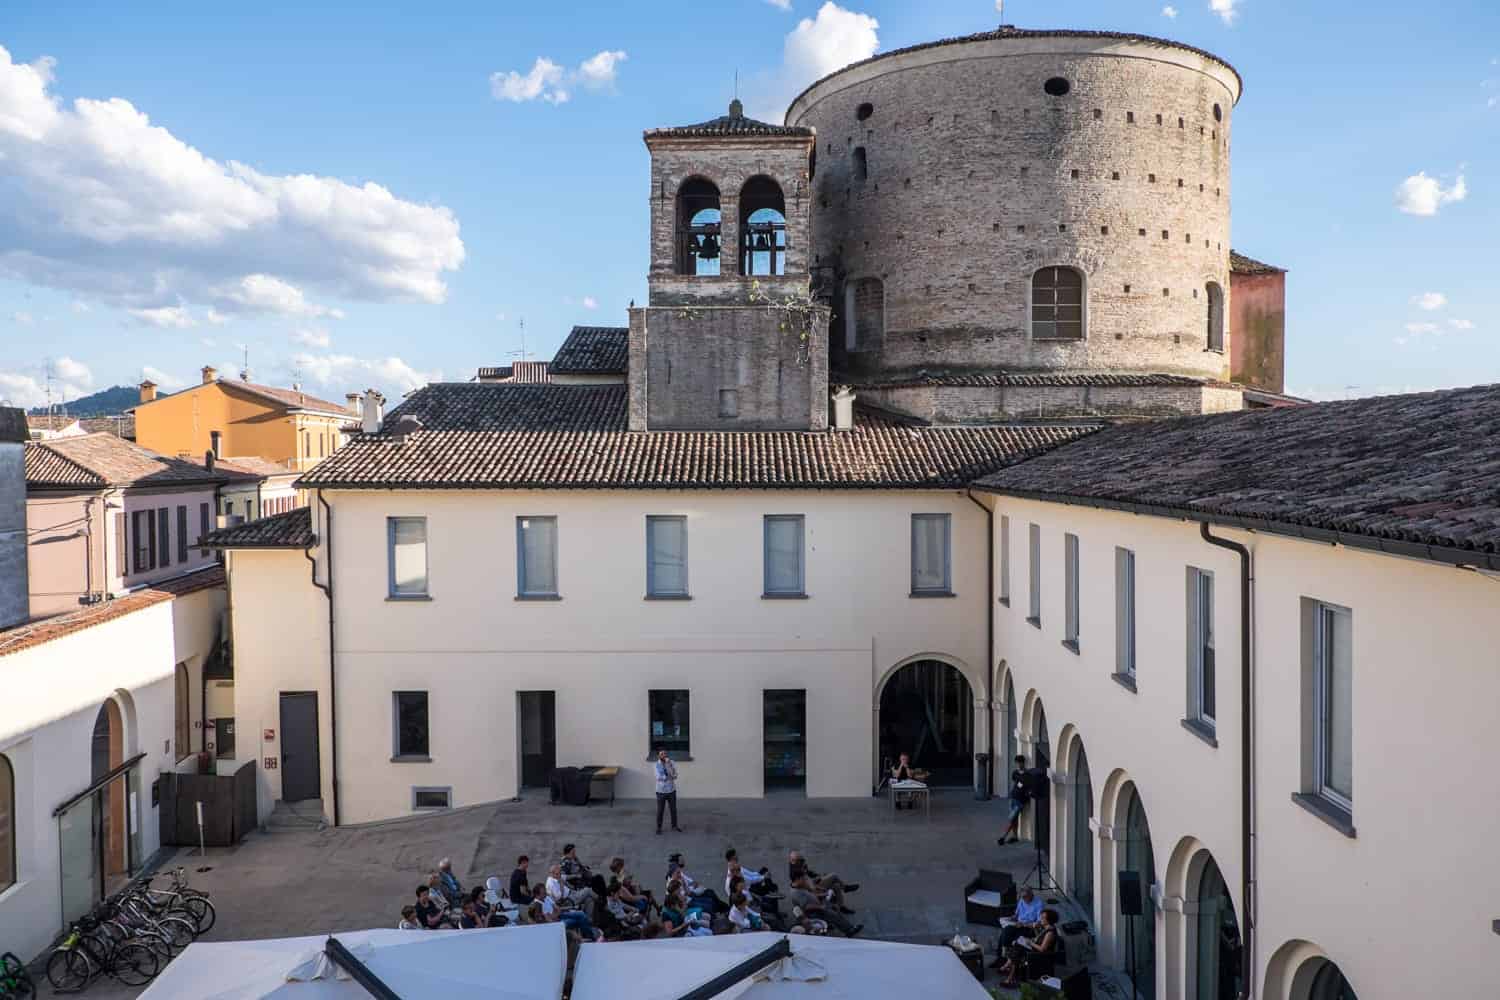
(1010, 31)
(121, 426)
(105, 460)
(44, 630)
(1240, 264)
(252, 465)
(498, 436)
(733, 124)
(288, 530)
(519, 371)
(1007, 379)
(49, 421)
(593, 350)
(292, 398)
(1420, 469)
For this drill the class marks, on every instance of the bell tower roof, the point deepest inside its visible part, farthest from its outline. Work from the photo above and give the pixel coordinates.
(734, 124)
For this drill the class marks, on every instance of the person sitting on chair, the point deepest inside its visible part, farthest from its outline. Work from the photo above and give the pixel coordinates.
(903, 771)
(797, 867)
(1027, 919)
(817, 904)
(448, 883)
(1032, 957)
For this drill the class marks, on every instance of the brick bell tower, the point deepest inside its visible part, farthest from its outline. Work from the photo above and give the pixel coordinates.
(732, 337)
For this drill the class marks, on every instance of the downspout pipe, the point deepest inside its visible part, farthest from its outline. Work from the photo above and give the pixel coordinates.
(989, 639)
(1247, 749)
(333, 689)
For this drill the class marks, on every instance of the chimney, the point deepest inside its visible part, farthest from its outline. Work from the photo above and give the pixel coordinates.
(217, 440)
(209, 458)
(843, 408)
(148, 391)
(210, 373)
(15, 602)
(373, 413)
(351, 399)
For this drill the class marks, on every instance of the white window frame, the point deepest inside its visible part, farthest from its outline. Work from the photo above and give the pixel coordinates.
(390, 549)
(1322, 679)
(1125, 613)
(1034, 574)
(947, 586)
(1070, 591)
(800, 590)
(1005, 560)
(652, 590)
(1200, 637)
(524, 589)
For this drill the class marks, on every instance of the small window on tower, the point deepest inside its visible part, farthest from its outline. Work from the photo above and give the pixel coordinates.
(1057, 86)
(865, 110)
(729, 402)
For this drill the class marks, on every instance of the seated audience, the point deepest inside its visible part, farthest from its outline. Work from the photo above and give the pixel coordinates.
(758, 881)
(631, 892)
(577, 874)
(561, 892)
(742, 917)
(701, 895)
(816, 904)
(573, 920)
(765, 914)
(448, 883)
(408, 919)
(439, 898)
(1027, 918)
(797, 867)
(1022, 961)
(470, 919)
(429, 914)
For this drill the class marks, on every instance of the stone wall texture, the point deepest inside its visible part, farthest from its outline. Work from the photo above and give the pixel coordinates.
(975, 177)
(1258, 352)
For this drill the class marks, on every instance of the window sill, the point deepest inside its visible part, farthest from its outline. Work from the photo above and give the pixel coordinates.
(538, 597)
(1034, 622)
(931, 593)
(411, 758)
(675, 759)
(1126, 681)
(784, 597)
(1071, 645)
(1326, 811)
(398, 598)
(668, 597)
(1202, 730)
(1005, 602)
(1058, 340)
(1213, 350)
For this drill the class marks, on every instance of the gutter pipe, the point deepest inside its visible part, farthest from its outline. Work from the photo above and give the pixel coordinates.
(1247, 749)
(333, 689)
(989, 649)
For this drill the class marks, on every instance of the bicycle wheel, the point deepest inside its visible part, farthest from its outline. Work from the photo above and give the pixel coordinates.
(201, 910)
(179, 932)
(156, 941)
(68, 970)
(135, 964)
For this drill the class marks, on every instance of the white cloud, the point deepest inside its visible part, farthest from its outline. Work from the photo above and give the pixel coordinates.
(312, 336)
(165, 317)
(346, 370)
(1226, 9)
(163, 379)
(814, 48)
(1423, 195)
(1429, 301)
(589, 302)
(21, 318)
(598, 71)
(263, 293)
(787, 4)
(102, 202)
(1461, 324)
(544, 80)
(1169, 12)
(69, 370)
(1421, 329)
(214, 317)
(21, 390)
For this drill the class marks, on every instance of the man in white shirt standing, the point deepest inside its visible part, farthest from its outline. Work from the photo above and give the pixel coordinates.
(666, 787)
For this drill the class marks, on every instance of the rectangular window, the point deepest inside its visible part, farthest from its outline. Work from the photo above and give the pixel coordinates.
(1201, 680)
(666, 556)
(669, 722)
(1333, 697)
(140, 541)
(1034, 574)
(431, 798)
(785, 572)
(1005, 560)
(407, 542)
(203, 525)
(164, 540)
(1070, 591)
(409, 716)
(1125, 613)
(122, 551)
(536, 557)
(931, 558)
(182, 533)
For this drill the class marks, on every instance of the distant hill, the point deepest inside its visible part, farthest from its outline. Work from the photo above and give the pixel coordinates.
(104, 403)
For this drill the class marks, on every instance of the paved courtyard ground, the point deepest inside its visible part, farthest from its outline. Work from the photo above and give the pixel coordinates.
(299, 879)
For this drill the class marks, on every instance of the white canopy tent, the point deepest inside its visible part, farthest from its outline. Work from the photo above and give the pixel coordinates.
(821, 968)
(506, 963)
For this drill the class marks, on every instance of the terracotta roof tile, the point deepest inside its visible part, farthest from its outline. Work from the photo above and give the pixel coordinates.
(593, 350)
(290, 529)
(499, 436)
(1008, 379)
(1240, 264)
(1421, 469)
(734, 124)
(103, 459)
(44, 630)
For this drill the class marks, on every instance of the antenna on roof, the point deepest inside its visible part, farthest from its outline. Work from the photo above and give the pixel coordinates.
(245, 369)
(521, 355)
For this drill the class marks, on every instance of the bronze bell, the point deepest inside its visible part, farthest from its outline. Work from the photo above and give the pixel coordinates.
(708, 247)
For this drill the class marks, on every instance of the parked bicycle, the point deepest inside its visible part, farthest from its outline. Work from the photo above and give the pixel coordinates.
(89, 951)
(15, 981)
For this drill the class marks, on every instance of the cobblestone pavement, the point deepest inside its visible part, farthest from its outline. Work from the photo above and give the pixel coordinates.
(291, 881)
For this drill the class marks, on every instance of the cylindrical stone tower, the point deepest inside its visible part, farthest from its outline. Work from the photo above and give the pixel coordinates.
(1026, 202)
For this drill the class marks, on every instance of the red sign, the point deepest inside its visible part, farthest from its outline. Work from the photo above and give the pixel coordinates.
(268, 735)
(269, 764)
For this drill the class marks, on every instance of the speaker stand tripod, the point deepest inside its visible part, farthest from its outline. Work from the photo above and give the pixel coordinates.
(1044, 882)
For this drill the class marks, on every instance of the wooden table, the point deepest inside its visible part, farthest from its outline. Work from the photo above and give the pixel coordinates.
(911, 790)
(609, 774)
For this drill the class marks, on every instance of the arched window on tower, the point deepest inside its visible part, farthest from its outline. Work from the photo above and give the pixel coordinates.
(7, 824)
(1057, 304)
(762, 227)
(1215, 316)
(698, 249)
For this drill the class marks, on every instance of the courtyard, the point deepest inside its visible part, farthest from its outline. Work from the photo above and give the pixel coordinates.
(295, 878)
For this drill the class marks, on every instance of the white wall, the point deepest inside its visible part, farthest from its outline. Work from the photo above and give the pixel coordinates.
(53, 693)
(602, 647)
(1425, 689)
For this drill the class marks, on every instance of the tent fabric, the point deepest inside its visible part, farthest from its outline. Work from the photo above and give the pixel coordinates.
(506, 963)
(821, 968)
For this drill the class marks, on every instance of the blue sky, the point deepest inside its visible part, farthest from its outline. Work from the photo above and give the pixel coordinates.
(380, 196)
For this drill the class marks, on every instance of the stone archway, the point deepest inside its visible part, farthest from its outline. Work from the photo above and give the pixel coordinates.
(1300, 970)
(1202, 946)
(1125, 845)
(107, 753)
(926, 708)
(1075, 823)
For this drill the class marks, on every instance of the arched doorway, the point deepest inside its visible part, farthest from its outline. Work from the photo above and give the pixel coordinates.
(1137, 856)
(1004, 767)
(927, 710)
(108, 753)
(1081, 810)
(1215, 937)
(1325, 982)
(1041, 757)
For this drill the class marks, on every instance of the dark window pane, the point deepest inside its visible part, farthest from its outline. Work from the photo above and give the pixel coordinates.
(411, 724)
(431, 798)
(669, 721)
